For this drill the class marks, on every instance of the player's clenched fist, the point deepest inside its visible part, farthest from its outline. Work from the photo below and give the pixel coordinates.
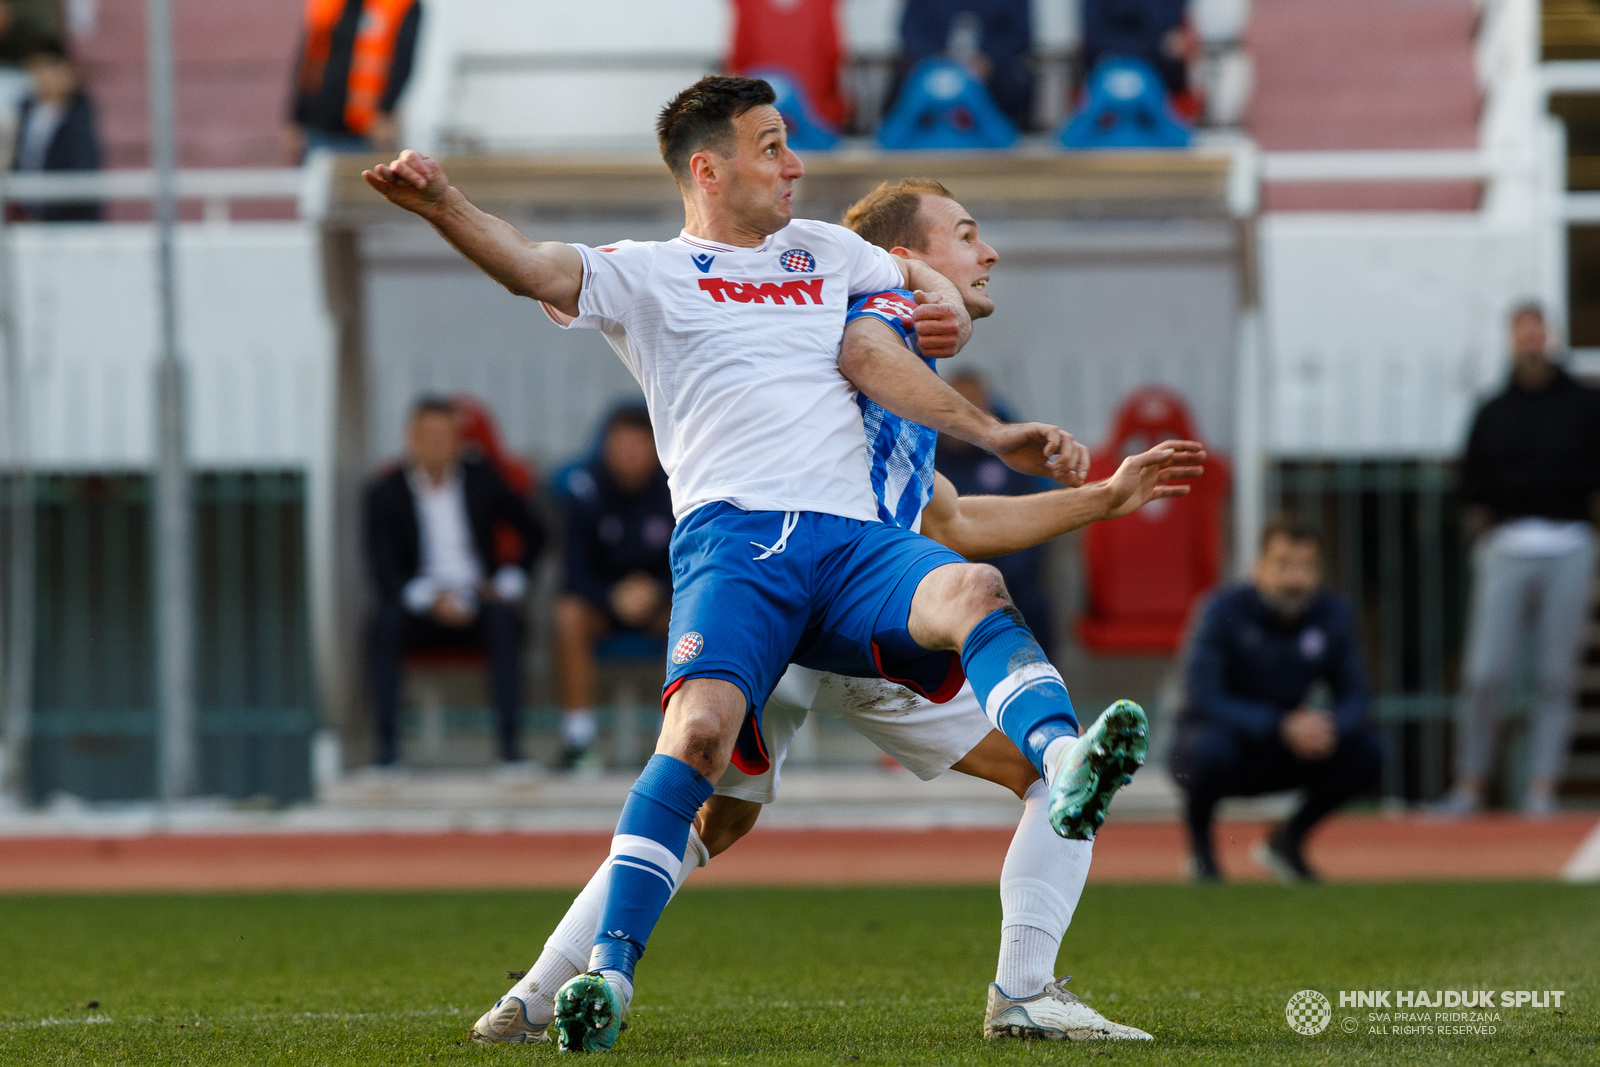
(941, 327)
(413, 181)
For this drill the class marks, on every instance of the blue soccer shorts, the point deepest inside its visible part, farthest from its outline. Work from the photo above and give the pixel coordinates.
(753, 591)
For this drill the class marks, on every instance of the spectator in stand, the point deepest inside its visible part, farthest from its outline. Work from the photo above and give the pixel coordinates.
(1277, 699)
(355, 60)
(1155, 31)
(430, 539)
(975, 472)
(55, 132)
(992, 38)
(1531, 482)
(800, 37)
(617, 575)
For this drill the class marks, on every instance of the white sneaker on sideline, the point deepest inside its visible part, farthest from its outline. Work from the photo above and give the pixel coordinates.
(1053, 1015)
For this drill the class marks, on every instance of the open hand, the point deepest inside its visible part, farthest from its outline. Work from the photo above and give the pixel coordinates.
(1042, 450)
(941, 327)
(413, 181)
(1149, 476)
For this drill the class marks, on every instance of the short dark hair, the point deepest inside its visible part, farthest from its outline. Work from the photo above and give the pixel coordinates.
(432, 404)
(1291, 527)
(51, 48)
(1526, 307)
(630, 416)
(891, 215)
(702, 117)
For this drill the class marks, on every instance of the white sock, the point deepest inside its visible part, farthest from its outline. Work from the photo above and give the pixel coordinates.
(577, 727)
(1040, 884)
(1054, 753)
(566, 953)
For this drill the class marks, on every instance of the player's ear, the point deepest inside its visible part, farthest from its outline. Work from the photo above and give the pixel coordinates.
(904, 253)
(703, 169)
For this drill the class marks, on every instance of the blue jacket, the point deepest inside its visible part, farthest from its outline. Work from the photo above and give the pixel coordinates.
(1248, 667)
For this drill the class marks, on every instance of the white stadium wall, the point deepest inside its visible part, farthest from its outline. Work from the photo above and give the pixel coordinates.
(256, 342)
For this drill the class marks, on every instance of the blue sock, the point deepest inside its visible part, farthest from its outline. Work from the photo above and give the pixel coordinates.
(647, 855)
(1021, 693)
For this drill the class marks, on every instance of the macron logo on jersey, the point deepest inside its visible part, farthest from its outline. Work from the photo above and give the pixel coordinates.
(703, 262)
(796, 291)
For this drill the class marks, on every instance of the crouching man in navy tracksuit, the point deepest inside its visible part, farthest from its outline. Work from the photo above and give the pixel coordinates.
(1277, 699)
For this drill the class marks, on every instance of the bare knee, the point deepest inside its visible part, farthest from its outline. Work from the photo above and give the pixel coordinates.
(724, 820)
(952, 600)
(702, 720)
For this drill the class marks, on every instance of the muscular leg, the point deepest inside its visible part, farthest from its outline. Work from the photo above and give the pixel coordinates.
(1043, 875)
(963, 607)
(702, 721)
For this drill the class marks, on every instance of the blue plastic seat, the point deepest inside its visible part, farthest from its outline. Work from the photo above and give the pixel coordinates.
(1125, 107)
(808, 131)
(943, 106)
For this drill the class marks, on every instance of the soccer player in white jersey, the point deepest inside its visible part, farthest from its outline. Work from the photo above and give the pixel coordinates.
(1043, 874)
(734, 331)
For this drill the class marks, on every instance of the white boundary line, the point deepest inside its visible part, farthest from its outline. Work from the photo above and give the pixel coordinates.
(1584, 866)
(101, 1019)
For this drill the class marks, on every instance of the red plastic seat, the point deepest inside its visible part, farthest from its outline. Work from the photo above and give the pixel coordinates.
(800, 37)
(1145, 570)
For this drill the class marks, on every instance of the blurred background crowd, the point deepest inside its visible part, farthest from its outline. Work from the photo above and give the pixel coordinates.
(1352, 247)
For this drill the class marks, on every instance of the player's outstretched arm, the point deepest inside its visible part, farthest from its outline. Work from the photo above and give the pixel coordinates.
(980, 527)
(878, 363)
(548, 271)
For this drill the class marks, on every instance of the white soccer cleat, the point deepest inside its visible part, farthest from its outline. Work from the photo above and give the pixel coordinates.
(1053, 1015)
(507, 1024)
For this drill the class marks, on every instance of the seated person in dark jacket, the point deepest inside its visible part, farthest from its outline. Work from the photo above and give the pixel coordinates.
(616, 573)
(430, 533)
(55, 132)
(1277, 699)
(975, 472)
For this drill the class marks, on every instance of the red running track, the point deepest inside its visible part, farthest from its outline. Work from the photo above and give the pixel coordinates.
(1349, 849)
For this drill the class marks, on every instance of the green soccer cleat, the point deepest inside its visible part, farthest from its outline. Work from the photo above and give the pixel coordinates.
(1102, 762)
(588, 1014)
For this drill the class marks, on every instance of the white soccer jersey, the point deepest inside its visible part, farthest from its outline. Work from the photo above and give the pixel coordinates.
(738, 353)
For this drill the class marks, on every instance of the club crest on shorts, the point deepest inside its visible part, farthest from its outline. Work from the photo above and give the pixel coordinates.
(688, 647)
(798, 261)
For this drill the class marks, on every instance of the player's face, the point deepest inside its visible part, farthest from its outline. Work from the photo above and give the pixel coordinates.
(759, 191)
(955, 250)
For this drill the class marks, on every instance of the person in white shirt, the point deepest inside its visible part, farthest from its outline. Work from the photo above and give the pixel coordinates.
(431, 536)
(736, 332)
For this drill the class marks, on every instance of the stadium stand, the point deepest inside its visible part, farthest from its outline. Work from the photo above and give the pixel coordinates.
(1367, 74)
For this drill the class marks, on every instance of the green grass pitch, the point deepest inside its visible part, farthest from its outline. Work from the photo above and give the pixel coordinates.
(748, 976)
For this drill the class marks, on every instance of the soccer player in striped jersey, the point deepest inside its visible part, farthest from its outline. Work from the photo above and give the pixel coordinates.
(1043, 873)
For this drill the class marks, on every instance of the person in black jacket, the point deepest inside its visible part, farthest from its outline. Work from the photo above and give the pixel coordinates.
(430, 535)
(56, 132)
(1531, 483)
(1277, 699)
(615, 570)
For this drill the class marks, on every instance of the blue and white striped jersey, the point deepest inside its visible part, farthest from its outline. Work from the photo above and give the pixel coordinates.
(899, 451)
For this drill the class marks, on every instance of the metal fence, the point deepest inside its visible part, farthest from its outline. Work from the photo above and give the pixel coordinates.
(92, 729)
(1394, 544)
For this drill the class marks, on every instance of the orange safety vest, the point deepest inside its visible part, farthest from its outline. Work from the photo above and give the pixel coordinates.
(369, 62)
